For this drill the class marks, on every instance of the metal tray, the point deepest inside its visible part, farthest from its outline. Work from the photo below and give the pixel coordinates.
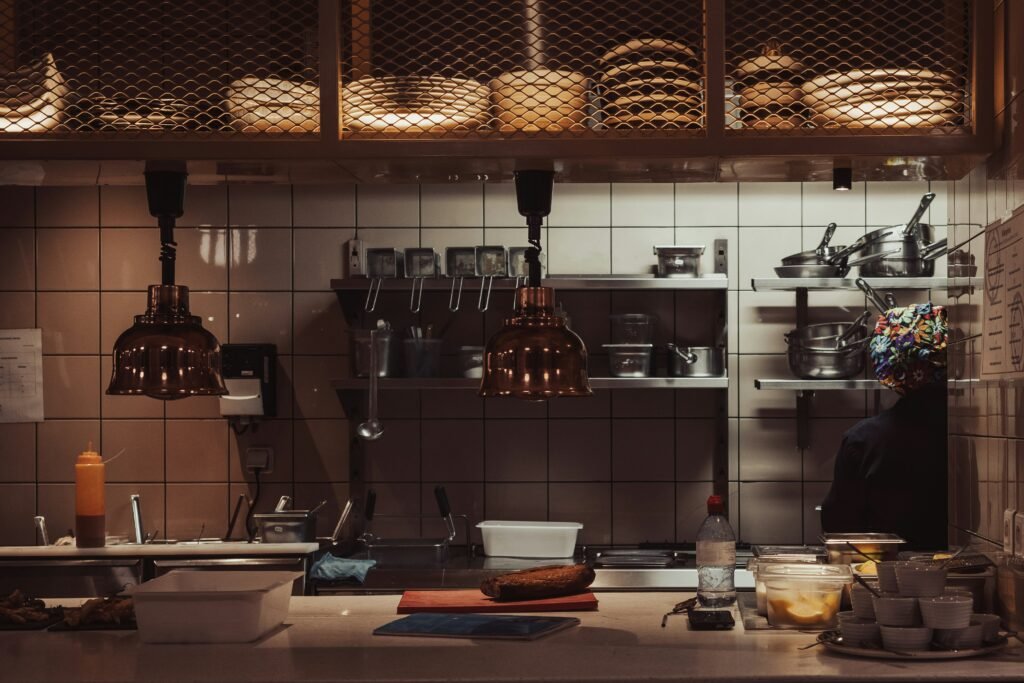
(834, 643)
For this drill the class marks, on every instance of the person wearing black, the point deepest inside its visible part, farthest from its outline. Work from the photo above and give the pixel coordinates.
(891, 469)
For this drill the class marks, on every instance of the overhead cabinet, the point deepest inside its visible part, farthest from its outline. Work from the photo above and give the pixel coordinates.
(697, 89)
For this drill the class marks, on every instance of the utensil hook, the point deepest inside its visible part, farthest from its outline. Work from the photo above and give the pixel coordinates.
(454, 299)
(484, 300)
(372, 294)
(416, 295)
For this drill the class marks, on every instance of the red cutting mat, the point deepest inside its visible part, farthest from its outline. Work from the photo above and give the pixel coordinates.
(474, 601)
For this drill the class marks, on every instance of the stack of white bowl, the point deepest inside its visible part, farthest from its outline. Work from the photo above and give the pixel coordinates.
(273, 105)
(413, 104)
(915, 611)
(32, 97)
(883, 98)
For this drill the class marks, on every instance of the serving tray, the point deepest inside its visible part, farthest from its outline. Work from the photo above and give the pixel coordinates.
(834, 643)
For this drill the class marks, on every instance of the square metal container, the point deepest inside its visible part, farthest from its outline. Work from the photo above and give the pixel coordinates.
(491, 261)
(422, 262)
(460, 261)
(384, 263)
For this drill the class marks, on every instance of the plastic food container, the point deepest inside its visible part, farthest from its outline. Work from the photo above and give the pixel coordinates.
(632, 328)
(629, 360)
(212, 606)
(806, 596)
(757, 563)
(529, 539)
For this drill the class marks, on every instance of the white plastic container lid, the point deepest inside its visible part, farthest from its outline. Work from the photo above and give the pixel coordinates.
(528, 525)
(185, 584)
(812, 573)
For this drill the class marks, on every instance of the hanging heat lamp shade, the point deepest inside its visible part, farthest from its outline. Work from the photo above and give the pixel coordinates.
(166, 354)
(535, 356)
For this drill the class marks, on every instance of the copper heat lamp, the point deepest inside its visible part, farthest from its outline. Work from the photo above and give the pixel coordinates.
(166, 354)
(535, 356)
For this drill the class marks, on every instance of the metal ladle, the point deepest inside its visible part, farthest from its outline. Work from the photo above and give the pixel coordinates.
(372, 429)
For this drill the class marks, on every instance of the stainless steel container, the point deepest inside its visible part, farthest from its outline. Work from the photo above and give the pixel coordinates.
(292, 526)
(812, 363)
(854, 548)
(387, 353)
(679, 260)
(697, 361)
(629, 360)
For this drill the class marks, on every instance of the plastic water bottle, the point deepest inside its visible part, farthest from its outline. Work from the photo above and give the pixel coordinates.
(716, 558)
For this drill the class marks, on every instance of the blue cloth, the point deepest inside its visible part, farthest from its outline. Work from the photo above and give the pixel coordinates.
(331, 568)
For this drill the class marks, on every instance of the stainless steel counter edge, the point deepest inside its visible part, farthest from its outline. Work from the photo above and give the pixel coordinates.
(239, 549)
(330, 640)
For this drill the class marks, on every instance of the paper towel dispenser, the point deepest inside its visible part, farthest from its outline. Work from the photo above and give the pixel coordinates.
(250, 374)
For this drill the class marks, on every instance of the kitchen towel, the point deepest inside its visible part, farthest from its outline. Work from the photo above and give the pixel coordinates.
(331, 568)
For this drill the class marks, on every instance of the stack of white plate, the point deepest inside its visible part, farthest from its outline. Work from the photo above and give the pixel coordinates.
(768, 95)
(273, 105)
(883, 98)
(539, 100)
(32, 98)
(412, 104)
(651, 83)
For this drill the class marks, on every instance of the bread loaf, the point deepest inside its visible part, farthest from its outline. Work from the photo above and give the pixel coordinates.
(539, 583)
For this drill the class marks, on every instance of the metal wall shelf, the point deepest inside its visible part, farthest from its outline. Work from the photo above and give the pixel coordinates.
(464, 383)
(778, 284)
(561, 282)
(816, 384)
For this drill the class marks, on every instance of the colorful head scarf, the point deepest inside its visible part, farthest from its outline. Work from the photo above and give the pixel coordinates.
(908, 348)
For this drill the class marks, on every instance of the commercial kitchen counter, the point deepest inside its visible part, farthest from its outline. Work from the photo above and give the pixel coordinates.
(329, 639)
(182, 549)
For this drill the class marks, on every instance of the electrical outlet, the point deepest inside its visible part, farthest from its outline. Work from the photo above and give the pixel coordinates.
(259, 458)
(1008, 534)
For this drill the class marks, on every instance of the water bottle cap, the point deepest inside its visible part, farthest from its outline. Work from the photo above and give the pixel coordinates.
(715, 505)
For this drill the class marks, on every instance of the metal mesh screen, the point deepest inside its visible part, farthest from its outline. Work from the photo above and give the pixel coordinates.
(872, 66)
(514, 68)
(174, 67)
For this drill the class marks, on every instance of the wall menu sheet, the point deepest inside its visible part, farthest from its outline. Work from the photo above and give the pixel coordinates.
(21, 375)
(1002, 353)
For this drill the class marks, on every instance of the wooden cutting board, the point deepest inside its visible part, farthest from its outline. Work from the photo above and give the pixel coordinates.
(473, 600)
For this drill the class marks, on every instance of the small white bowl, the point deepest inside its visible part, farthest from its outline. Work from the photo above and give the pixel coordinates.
(920, 579)
(858, 632)
(959, 638)
(906, 638)
(887, 576)
(990, 624)
(896, 610)
(861, 599)
(946, 611)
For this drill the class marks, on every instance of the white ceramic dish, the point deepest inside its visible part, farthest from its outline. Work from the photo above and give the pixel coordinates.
(862, 601)
(947, 611)
(896, 610)
(959, 638)
(920, 579)
(212, 606)
(529, 539)
(906, 638)
(839, 646)
(857, 631)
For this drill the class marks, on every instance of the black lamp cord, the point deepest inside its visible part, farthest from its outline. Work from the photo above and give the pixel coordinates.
(250, 529)
(168, 248)
(533, 223)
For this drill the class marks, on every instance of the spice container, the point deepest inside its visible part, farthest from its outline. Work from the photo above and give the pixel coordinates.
(804, 595)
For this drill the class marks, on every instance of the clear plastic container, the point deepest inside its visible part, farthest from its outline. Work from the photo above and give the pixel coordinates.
(755, 564)
(212, 607)
(632, 328)
(806, 596)
(422, 357)
(471, 361)
(629, 360)
(529, 539)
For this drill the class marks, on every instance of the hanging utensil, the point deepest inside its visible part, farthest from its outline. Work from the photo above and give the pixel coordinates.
(346, 511)
(517, 268)
(873, 296)
(491, 262)
(856, 326)
(381, 264)
(372, 429)
(460, 263)
(420, 263)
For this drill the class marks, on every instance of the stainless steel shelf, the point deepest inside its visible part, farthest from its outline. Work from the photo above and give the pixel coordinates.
(816, 384)
(779, 284)
(562, 282)
(427, 383)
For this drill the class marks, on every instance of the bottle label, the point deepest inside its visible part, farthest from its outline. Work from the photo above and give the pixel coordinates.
(716, 553)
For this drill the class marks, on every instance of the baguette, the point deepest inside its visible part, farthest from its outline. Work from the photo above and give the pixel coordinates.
(539, 583)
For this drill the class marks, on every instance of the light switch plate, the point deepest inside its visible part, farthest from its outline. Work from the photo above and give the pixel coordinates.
(1008, 531)
(259, 458)
(1018, 534)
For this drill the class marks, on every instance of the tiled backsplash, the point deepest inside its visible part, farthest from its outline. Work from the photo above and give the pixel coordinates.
(632, 466)
(986, 419)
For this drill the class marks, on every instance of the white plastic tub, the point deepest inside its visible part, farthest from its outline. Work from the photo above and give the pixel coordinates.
(529, 539)
(212, 606)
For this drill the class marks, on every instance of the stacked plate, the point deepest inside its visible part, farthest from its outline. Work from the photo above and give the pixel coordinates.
(273, 105)
(410, 104)
(539, 100)
(883, 98)
(32, 97)
(768, 95)
(651, 83)
(137, 113)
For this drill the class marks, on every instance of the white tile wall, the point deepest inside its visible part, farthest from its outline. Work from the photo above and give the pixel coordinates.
(596, 460)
